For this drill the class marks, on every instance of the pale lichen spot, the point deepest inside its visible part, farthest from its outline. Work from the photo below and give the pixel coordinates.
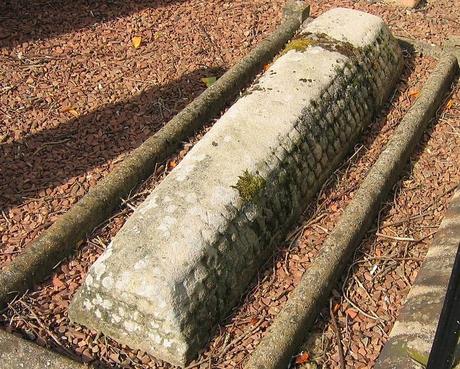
(87, 304)
(123, 281)
(155, 338)
(184, 172)
(106, 304)
(141, 264)
(199, 158)
(131, 326)
(198, 211)
(166, 225)
(222, 195)
(191, 198)
(107, 282)
(98, 268)
(97, 300)
(171, 209)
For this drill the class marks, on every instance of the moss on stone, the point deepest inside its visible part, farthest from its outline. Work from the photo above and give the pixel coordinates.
(298, 44)
(249, 185)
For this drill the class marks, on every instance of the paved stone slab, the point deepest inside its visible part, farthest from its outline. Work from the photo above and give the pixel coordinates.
(16, 353)
(186, 255)
(414, 331)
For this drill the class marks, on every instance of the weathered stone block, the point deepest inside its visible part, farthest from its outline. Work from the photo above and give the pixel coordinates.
(186, 255)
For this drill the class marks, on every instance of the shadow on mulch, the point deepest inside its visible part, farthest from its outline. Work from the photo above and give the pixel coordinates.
(27, 20)
(51, 157)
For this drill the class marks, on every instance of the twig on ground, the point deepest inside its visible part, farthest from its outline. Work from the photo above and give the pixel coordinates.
(408, 239)
(338, 336)
(45, 328)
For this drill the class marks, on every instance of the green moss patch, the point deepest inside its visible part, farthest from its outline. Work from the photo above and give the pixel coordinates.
(322, 40)
(249, 185)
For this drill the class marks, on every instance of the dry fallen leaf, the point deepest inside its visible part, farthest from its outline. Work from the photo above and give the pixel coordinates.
(351, 313)
(57, 283)
(449, 104)
(172, 164)
(75, 113)
(209, 81)
(302, 358)
(136, 40)
(334, 207)
(413, 92)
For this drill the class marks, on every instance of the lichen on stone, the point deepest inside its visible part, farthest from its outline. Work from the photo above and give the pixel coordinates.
(249, 185)
(298, 44)
(321, 39)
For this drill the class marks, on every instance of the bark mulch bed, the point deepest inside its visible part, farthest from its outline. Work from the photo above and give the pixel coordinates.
(76, 96)
(432, 21)
(367, 300)
(41, 314)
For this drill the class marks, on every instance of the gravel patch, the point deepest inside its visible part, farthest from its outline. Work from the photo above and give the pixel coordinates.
(431, 21)
(77, 97)
(238, 336)
(368, 299)
(75, 102)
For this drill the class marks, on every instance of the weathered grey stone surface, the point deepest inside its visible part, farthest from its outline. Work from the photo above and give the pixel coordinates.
(186, 255)
(414, 331)
(16, 353)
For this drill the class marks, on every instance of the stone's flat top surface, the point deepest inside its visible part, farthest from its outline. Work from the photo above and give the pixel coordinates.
(415, 328)
(174, 225)
(191, 203)
(336, 24)
(16, 353)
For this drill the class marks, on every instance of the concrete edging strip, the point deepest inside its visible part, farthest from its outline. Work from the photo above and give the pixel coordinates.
(290, 326)
(17, 353)
(58, 241)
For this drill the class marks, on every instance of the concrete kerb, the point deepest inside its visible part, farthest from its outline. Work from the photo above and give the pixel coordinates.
(58, 242)
(422, 47)
(291, 325)
(16, 353)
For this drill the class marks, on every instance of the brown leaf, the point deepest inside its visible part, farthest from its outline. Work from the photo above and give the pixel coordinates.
(136, 40)
(413, 92)
(57, 283)
(302, 358)
(351, 313)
